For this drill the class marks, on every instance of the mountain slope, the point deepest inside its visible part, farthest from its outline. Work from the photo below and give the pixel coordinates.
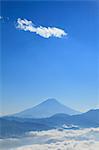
(46, 109)
(84, 120)
(14, 126)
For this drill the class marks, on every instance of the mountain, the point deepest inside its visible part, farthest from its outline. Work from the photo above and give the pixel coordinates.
(15, 126)
(12, 127)
(46, 109)
(87, 119)
(84, 120)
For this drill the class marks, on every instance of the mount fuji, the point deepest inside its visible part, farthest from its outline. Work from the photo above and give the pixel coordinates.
(46, 109)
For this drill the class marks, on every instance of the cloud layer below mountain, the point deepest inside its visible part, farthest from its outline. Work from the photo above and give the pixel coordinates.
(83, 139)
(66, 145)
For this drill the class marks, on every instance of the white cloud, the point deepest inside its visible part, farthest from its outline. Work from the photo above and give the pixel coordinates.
(45, 32)
(82, 139)
(65, 145)
(4, 18)
(1, 17)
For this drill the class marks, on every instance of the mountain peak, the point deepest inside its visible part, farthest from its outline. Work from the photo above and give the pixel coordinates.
(46, 109)
(50, 101)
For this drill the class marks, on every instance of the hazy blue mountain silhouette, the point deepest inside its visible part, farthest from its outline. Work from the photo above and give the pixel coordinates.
(84, 120)
(15, 126)
(46, 109)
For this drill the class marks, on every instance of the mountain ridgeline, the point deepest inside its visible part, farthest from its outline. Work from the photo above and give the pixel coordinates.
(19, 124)
(46, 109)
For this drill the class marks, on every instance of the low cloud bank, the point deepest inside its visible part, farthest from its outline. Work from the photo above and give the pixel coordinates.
(83, 139)
(66, 145)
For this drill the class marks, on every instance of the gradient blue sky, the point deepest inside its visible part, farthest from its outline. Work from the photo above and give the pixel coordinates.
(35, 68)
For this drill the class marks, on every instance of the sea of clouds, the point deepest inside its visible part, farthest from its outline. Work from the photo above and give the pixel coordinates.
(82, 139)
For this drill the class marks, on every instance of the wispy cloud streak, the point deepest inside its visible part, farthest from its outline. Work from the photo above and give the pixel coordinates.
(45, 32)
(1, 17)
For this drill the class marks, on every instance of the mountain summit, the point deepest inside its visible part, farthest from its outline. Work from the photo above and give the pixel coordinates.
(46, 109)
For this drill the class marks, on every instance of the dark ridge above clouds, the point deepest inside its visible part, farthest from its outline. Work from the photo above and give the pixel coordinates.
(16, 127)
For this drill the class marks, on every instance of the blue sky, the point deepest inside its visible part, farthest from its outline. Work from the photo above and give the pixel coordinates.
(35, 68)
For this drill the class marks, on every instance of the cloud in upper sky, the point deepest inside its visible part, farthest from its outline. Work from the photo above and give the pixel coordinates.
(4, 19)
(45, 32)
(0, 17)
